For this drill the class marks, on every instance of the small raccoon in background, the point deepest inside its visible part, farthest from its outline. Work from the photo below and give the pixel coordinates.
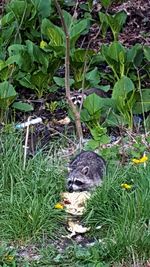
(86, 171)
(77, 96)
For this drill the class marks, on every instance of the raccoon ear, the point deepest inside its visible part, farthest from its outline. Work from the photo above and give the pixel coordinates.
(85, 170)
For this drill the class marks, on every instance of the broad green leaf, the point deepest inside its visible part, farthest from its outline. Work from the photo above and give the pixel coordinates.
(61, 81)
(114, 51)
(92, 144)
(122, 88)
(22, 106)
(40, 80)
(7, 94)
(142, 104)
(20, 56)
(93, 77)
(37, 55)
(79, 28)
(97, 132)
(43, 7)
(93, 103)
(147, 52)
(2, 64)
(18, 7)
(80, 55)
(7, 19)
(105, 88)
(54, 33)
(104, 23)
(116, 22)
(68, 19)
(132, 52)
(26, 81)
(106, 3)
(85, 116)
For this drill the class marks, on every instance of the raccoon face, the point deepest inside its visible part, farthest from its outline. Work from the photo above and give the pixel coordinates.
(77, 98)
(79, 180)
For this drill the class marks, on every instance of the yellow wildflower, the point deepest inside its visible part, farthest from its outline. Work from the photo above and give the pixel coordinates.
(9, 258)
(141, 160)
(43, 44)
(126, 186)
(59, 206)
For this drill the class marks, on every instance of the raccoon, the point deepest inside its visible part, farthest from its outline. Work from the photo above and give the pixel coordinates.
(86, 171)
(77, 97)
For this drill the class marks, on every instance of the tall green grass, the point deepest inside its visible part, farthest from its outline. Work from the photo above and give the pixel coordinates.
(122, 214)
(27, 197)
(119, 218)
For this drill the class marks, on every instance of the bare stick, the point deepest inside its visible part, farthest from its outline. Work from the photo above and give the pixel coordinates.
(74, 109)
(26, 145)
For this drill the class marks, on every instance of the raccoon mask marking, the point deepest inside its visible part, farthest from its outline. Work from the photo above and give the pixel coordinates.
(85, 171)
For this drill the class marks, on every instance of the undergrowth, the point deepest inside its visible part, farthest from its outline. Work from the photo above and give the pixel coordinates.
(118, 218)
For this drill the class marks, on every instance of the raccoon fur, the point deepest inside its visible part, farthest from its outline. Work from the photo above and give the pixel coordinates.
(77, 96)
(86, 171)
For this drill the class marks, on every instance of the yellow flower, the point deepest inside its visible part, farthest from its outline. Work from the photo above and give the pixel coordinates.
(126, 186)
(9, 258)
(59, 206)
(43, 44)
(141, 160)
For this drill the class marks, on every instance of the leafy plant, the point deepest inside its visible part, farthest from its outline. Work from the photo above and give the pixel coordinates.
(121, 60)
(56, 35)
(124, 96)
(115, 22)
(7, 96)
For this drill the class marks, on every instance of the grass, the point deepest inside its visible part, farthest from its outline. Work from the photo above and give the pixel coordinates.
(27, 214)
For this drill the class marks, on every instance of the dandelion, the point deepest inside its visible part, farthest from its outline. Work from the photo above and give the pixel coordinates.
(9, 258)
(43, 44)
(126, 186)
(141, 160)
(59, 206)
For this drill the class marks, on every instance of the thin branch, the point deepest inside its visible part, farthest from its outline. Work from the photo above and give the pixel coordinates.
(74, 109)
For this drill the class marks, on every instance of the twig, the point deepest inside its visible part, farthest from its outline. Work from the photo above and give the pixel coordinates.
(74, 109)
(26, 145)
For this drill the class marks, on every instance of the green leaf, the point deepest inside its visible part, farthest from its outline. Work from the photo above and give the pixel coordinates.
(7, 19)
(54, 33)
(68, 19)
(26, 81)
(104, 23)
(122, 88)
(61, 81)
(105, 88)
(43, 7)
(116, 22)
(132, 52)
(147, 52)
(18, 7)
(80, 55)
(37, 55)
(22, 106)
(106, 3)
(93, 77)
(77, 29)
(142, 104)
(7, 94)
(114, 50)
(93, 103)
(92, 144)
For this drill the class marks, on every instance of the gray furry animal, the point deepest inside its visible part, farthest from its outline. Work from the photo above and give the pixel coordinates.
(86, 171)
(77, 96)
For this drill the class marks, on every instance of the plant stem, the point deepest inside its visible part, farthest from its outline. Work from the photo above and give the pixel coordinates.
(75, 111)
